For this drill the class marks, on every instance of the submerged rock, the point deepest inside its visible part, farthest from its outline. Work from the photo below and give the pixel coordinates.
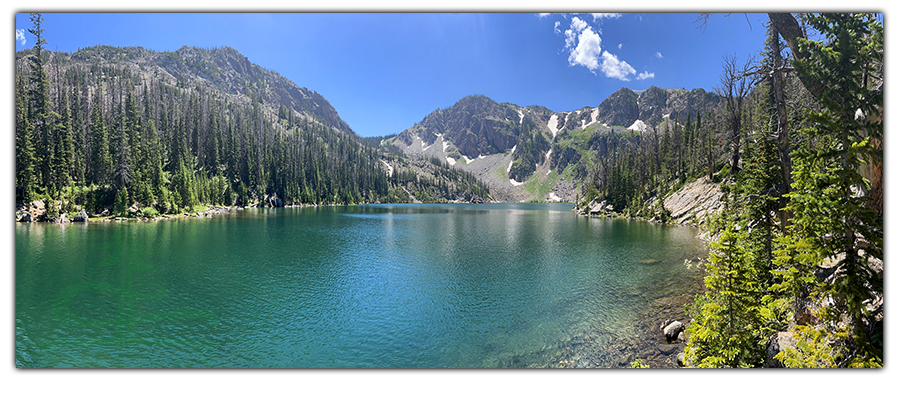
(650, 262)
(672, 330)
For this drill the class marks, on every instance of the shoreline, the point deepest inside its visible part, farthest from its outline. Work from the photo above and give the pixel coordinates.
(211, 211)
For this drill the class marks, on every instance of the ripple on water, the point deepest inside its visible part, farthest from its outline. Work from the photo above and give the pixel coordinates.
(375, 286)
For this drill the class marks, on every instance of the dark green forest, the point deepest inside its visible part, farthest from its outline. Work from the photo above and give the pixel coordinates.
(97, 134)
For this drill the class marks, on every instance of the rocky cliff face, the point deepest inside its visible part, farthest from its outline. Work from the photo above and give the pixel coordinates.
(695, 202)
(620, 108)
(476, 125)
(533, 153)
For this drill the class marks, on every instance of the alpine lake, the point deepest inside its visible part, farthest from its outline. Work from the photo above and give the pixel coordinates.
(369, 286)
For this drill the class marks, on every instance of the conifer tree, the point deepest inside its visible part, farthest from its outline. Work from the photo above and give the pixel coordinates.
(42, 116)
(101, 161)
(25, 173)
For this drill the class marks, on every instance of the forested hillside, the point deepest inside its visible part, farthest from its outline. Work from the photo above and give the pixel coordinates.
(795, 275)
(128, 131)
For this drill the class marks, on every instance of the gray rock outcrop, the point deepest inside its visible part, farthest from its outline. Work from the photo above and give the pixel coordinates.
(777, 344)
(695, 202)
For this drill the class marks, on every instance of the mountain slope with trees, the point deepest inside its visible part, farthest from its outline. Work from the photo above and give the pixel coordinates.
(133, 132)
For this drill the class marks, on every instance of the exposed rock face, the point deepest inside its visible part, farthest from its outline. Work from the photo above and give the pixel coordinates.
(476, 125)
(81, 217)
(620, 108)
(507, 146)
(695, 202)
(652, 104)
(776, 344)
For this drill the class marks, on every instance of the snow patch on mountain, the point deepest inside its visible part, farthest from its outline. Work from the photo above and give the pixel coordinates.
(552, 124)
(638, 126)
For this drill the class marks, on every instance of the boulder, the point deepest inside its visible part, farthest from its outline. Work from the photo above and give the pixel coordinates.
(672, 330)
(776, 344)
(62, 219)
(26, 217)
(680, 360)
(81, 217)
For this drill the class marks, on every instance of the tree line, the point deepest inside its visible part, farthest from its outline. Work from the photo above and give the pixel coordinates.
(113, 139)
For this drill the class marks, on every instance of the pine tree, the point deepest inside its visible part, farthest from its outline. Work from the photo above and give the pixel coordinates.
(63, 156)
(101, 160)
(725, 331)
(42, 116)
(26, 179)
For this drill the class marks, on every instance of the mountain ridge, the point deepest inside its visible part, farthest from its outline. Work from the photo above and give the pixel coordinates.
(507, 145)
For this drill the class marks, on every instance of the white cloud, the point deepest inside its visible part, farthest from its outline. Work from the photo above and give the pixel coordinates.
(20, 36)
(583, 46)
(587, 51)
(542, 15)
(575, 27)
(615, 68)
(599, 16)
(659, 54)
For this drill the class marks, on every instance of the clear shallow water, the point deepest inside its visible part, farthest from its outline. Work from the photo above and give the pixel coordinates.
(394, 286)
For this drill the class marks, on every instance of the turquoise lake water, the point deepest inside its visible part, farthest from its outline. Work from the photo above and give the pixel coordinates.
(385, 286)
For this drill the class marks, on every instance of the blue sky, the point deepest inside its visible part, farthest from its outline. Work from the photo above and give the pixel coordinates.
(384, 72)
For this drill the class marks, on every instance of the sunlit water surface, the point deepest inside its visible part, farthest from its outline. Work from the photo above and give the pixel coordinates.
(396, 286)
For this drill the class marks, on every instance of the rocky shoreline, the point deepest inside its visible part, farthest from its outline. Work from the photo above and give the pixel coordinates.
(36, 212)
(693, 205)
